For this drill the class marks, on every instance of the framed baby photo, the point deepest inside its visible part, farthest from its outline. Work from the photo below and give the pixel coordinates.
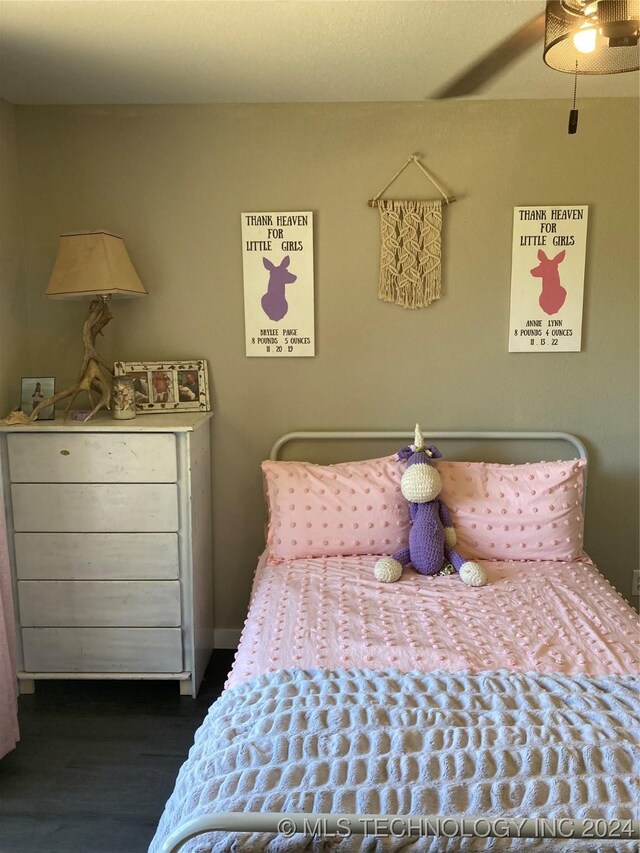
(168, 386)
(35, 389)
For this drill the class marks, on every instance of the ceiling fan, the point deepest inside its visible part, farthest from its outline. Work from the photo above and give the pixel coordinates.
(580, 37)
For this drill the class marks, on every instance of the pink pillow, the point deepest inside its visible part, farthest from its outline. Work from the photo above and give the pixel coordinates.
(344, 509)
(516, 512)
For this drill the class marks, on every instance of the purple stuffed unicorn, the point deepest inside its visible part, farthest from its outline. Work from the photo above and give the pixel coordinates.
(432, 536)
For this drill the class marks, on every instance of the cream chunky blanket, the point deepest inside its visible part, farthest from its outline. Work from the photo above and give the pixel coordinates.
(495, 744)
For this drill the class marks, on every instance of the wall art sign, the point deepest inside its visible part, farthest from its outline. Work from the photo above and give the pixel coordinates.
(547, 278)
(277, 263)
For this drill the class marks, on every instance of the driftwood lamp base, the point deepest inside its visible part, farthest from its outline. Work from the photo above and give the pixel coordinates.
(96, 374)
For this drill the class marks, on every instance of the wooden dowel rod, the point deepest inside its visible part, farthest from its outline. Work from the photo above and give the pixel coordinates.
(373, 202)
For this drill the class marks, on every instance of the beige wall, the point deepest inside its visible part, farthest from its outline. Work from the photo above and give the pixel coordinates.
(174, 180)
(14, 352)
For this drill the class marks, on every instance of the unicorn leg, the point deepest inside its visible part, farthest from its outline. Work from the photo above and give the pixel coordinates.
(470, 572)
(402, 556)
(389, 569)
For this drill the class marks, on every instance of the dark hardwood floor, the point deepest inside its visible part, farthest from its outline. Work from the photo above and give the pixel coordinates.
(97, 761)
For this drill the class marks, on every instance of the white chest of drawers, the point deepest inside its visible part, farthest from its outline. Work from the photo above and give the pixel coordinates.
(109, 527)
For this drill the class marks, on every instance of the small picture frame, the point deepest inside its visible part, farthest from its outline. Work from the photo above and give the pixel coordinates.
(168, 386)
(35, 389)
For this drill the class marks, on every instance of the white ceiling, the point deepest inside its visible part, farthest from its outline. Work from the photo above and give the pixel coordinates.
(265, 51)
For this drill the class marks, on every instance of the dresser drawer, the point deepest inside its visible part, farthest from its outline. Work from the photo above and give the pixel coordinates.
(95, 507)
(102, 649)
(96, 556)
(138, 604)
(92, 458)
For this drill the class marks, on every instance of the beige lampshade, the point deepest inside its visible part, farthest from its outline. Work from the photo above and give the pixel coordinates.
(93, 264)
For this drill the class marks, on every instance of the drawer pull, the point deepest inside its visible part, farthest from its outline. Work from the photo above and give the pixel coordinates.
(65, 453)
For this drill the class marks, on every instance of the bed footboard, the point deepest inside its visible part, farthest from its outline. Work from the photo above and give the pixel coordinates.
(401, 826)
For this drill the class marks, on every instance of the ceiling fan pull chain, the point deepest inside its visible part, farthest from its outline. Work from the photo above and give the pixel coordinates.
(573, 115)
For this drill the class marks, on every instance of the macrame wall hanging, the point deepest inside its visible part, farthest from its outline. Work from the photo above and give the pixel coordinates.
(410, 245)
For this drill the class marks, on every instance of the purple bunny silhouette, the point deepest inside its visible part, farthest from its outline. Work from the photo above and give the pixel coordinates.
(273, 302)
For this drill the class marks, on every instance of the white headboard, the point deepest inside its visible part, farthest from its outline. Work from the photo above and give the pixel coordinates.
(509, 438)
(439, 435)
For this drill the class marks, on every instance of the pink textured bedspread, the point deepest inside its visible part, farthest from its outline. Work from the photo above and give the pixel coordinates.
(531, 617)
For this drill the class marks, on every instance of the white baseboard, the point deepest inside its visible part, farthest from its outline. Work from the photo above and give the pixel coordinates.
(226, 638)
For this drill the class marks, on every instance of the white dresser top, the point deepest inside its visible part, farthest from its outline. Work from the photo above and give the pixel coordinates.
(104, 422)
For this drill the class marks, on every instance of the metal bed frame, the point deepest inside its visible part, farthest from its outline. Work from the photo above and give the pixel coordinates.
(343, 435)
(437, 435)
(402, 825)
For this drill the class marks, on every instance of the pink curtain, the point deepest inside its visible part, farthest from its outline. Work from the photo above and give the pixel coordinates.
(9, 734)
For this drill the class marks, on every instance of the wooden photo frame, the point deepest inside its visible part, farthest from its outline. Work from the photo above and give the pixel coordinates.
(168, 386)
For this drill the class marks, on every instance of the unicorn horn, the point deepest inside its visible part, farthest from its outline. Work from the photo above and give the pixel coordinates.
(419, 439)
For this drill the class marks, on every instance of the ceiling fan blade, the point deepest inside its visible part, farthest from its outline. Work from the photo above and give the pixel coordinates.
(492, 63)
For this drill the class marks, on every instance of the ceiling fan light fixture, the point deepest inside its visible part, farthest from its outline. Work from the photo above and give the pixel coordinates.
(612, 27)
(618, 23)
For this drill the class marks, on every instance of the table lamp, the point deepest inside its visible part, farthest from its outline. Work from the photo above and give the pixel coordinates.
(91, 265)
